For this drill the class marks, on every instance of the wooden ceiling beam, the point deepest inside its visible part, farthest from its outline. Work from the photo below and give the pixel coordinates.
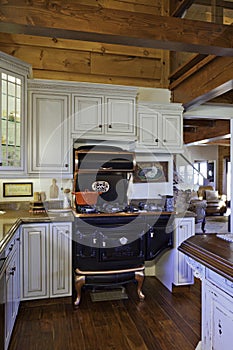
(219, 130)
(90, 23)
(203, 82)
(199, 123)
(181, 7)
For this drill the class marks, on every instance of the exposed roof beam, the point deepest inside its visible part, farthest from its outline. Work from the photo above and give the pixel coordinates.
(115, 27)
(218, 91)
(199, 123)
(182, 7)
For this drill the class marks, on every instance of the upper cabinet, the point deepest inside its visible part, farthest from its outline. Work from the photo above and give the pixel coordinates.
(104, 112)
(49, 130)
(13, 80)
(160, 127)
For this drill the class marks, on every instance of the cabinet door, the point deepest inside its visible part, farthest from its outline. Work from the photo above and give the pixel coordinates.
(10, 311)
(35, 262)
(60, 259)
(184, 228)
(172, 135)
(217, 315)
(88, 116)
(12, 287)
(148, 128)
(49, 128)
(120, 116)
(13, 87)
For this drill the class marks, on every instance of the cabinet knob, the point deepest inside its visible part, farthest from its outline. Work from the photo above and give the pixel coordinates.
(100, 125)
(164, 141)
(66, 165)
(181, 226)
(156, 140)
(110, 126)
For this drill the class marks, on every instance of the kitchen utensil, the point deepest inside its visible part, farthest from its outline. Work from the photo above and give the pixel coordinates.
(86, 197)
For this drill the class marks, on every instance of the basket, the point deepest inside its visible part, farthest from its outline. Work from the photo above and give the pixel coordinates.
(86, 197)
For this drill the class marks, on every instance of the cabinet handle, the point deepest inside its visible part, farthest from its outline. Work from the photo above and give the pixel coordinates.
(66, 165)
(110, 126)
(156, 140)
(181, 226)
(100, 125)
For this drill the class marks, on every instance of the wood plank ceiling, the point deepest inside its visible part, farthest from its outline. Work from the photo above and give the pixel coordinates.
(126, 42)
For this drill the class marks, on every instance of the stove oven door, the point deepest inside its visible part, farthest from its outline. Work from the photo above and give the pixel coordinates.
(85, 249)
(121, 248)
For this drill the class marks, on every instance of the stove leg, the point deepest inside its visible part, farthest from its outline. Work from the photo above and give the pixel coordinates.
(78, 283)
(139, 277)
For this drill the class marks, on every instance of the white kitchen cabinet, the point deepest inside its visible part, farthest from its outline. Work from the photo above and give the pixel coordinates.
(46, 260)
(184, 228)
(160, 127)
(218, 318)
(120, 116)
(104, 112)
(12, 286)
(13, 82)
(88, 115)
(49, 131)
(171, 268)
(60, 259)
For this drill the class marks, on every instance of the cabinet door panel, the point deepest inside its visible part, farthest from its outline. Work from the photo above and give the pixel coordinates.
(50, 133)
(88, 115)
(217, 316)
(184, 229)
(172, 135)
(35, 271)
(60, 259)
(149, 133)
(120, 116)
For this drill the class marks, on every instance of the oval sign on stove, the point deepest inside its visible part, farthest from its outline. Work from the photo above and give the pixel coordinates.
(100, 186)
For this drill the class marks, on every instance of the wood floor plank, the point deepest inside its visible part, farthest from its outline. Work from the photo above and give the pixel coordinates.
(164, 321)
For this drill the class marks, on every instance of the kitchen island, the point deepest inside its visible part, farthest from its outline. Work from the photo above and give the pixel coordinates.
(211, 258)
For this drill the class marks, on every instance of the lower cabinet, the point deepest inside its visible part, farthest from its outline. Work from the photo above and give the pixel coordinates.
(12, 286)
(217, 312)
(184, 228)
(171, 268)
(46, 260)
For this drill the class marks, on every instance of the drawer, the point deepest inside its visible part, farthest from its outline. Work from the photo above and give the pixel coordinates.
(220, 281)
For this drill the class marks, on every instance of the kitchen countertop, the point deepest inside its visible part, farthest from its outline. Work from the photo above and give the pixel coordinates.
(212, 252)
(12, 219)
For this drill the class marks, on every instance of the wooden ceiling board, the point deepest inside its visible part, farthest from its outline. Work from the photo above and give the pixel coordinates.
(81, 22)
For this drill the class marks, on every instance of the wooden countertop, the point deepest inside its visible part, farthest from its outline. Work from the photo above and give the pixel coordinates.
(211, 251)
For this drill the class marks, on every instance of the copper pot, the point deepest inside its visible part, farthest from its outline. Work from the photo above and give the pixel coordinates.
(86, 197)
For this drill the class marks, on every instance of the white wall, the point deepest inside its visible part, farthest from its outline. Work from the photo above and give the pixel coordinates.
(205, 153)
(39, 185)
(154, 95)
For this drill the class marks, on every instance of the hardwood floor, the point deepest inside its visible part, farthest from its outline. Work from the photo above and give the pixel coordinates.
(163, 321)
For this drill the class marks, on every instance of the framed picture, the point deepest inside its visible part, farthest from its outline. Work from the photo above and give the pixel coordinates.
(151, 172)
(17, 189)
